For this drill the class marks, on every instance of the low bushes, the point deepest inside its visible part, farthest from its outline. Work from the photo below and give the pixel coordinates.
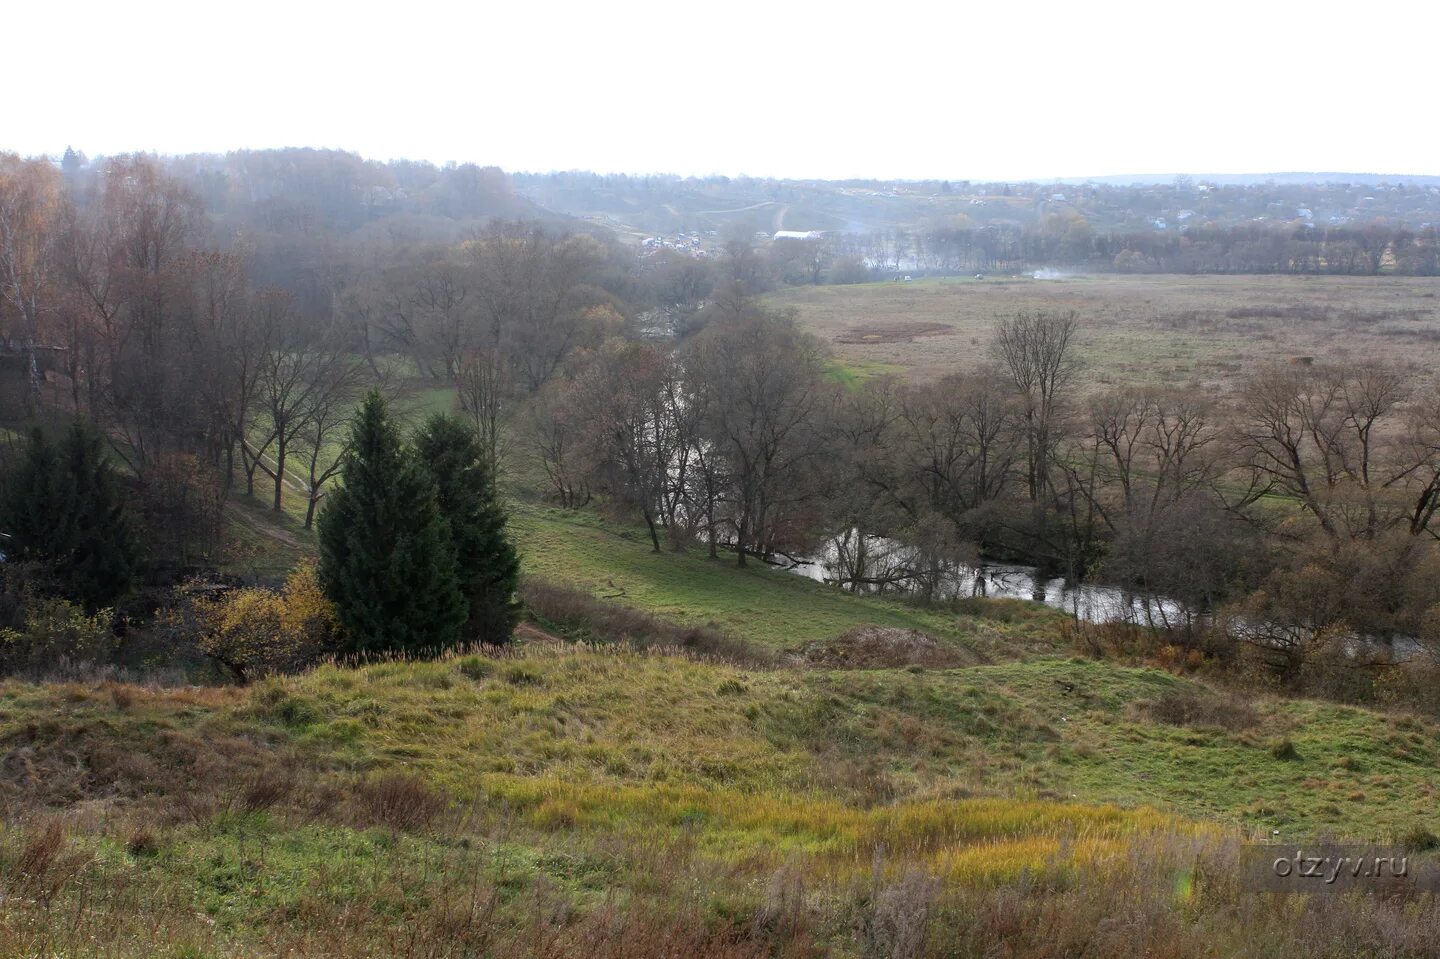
(256, 630)
(883, 647)
(55, 636)
(399, 801)
(1201, 710)
(580, 616)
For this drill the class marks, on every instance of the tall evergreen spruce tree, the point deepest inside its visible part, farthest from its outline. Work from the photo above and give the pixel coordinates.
(104, 549)
(488, 565)
(64, 510)
(386, 557)
(35, 513)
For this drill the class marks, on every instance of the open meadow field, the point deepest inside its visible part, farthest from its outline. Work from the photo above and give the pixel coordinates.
(1134, 329)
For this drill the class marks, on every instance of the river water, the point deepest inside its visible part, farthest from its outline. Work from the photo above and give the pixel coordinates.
(890, 561)
(887, 560)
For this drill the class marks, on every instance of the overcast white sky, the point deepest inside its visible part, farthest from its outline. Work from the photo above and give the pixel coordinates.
(951, 89)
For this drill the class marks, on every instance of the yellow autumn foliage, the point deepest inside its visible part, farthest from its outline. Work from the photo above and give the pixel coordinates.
(259, 630)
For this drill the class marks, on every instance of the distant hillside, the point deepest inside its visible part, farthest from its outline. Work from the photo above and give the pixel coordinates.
(1255, 179)
(744, 206)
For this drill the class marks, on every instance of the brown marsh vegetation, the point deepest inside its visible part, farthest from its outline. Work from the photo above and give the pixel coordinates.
(1137, 329)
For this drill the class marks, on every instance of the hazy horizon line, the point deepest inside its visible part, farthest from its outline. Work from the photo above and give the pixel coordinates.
(1152, 178)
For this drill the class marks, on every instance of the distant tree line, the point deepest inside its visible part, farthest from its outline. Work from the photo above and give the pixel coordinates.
(680, 283)
(1247, 249)
(662, 204)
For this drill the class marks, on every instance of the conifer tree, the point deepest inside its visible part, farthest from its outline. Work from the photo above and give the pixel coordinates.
(33, 515)
(488, 565)
(386, 557)
(104, 553)
(64, 511)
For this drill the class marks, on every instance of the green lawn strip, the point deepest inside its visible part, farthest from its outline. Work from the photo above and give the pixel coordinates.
(760, 603)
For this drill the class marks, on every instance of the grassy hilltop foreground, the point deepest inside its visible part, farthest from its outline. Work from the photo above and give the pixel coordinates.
(563, 799)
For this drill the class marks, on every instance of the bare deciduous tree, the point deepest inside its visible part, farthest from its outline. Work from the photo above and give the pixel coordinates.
(764, 384)
(307, 371)
(485, 392)
(1319, 435)
(31, 223)
(555, 444)
(534, 303)
(1036, 350)
(628, 443)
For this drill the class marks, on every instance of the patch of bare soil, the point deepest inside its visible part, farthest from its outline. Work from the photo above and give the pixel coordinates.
(891, 333)
(530, 633)
(263, 528)
(882, 647)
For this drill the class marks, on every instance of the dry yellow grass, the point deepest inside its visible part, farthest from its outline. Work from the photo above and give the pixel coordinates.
(1202, 329)
(557, 801)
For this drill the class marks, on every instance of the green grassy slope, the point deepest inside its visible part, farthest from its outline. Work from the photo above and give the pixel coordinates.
(1047, 729)
(1010, 728)
(762, 604)
(614, 561)
(433, 808)
(440, 808)
(231, 822)
(1354, 768)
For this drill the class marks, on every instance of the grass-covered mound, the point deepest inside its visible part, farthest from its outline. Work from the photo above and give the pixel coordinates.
(560, 800)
